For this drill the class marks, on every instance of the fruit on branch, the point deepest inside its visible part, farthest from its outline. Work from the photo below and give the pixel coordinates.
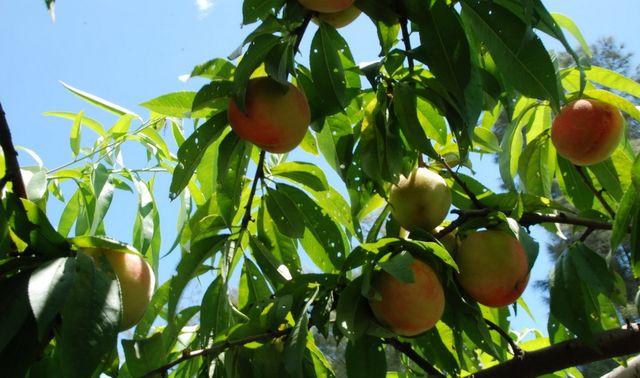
(339, 19)
(326, 6)
(421, 200)
(277, 117)
(494, 268)
(408, 308)
(587, 131)
(136, 278)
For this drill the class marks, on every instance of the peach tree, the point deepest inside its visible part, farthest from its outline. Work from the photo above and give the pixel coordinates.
(249, 220)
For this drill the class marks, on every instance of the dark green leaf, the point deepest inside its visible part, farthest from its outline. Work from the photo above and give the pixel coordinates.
(144, 355)
(296, 344)
(323, 240)
(191, 151)
(303, 173)
(537, 165)
(91, 317)
(254, 10)
(608, 177)
(518, 52)
(365, 358)
(189, 265)
(213, 96)
(405, 106)
(215, 311)
(49, 286)
(573, 186)
(445, 48)
(327, 70)
(399, 266)
(627, 208)
(233, 160)
(252, 59)
(257, 289)
(14, 307)
(284, 212)
(353, 312)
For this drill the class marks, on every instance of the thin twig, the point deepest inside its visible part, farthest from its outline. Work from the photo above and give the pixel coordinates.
(517, 351)
(596, 192)
(258, 176)
(476, 202)
(12, 167)
(407, 350)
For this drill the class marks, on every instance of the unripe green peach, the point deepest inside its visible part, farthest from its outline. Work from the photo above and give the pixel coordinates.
(326, 6)
(494, 268)
(408, 309)
(137, 282)
(421, 200)
(276, 118)
(587, 131)
(339, 19)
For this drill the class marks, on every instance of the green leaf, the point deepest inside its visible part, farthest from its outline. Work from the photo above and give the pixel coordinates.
(627, 208)
(365, 358)
(573, 186)
(399, 266)
(233, 160)
(286, 215)
(254, 10)
(191, 151)
(537, 165)
(405, 105)
(445, 47)
(296, 344)
(74, 138)
(613, 80)
(280, 249)
(323, 240)
(352, 312)
(189, 265)
(177, 104)
(103, 190)
(327, 70)
(212, 97)
(304, 173)
(49, 286)
(572, 28)
(252, 59)
(608, 177)
(253, 287)
(214, 69)
(84, 121)
(215, 311)
(144, 355)
(518, 53)
(14, 307)
(91, 317)
(486, 140)
(99, 102)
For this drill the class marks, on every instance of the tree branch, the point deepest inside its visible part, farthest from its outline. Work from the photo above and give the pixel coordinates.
(300, 32)
(405, 348)
(596, 192)
(608, 344)
(12, 172)
(517, 351)
(216, 349)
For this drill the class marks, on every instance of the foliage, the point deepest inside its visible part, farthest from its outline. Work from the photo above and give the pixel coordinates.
(428, 100)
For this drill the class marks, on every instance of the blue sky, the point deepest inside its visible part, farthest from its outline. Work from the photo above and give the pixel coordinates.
(131, 51)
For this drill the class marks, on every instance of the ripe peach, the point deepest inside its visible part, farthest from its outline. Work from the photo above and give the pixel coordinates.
(326, 6)
(421, 200)
(494, 268)
(408, 309)
(587, 131)
(137, 282)
(277, 117)
(339, 19)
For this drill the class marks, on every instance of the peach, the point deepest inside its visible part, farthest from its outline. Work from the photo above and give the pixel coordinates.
(137, 282)
(339, 19)
(326, 6)
(408, 309)
(494, 268)
(587, 131)
(277, 117)
(421, 200)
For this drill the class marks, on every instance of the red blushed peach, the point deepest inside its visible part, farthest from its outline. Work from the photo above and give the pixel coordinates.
(408, 309)
(326, 6)
(339, 19)
(494, 268)
(137, 282)
(276, 118)
(587, 131)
